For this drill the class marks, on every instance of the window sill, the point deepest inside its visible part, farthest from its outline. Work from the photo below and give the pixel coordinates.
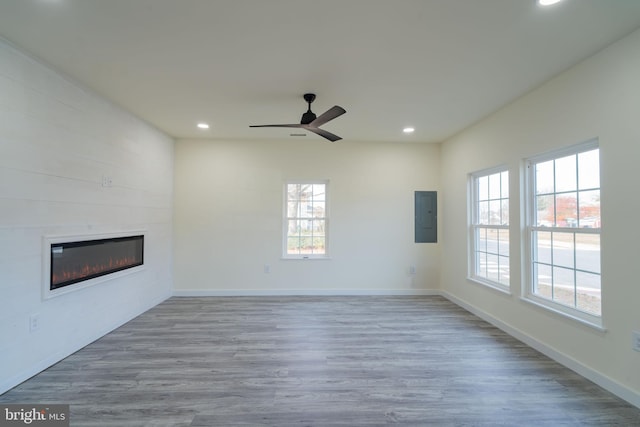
(491, 285)
(305, 258)
(598, 326)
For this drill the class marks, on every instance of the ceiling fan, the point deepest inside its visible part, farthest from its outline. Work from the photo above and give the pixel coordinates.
(310, 122)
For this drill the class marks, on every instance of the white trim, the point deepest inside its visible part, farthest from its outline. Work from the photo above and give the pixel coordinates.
(48, 240)
(305, 257)
(498, 287)
(586, 319)
(620, 390)
(490, 171)
(301, 292)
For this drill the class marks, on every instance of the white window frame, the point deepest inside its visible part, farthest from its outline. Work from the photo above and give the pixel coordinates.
(285, 222)
(530, 244)
(475, 227)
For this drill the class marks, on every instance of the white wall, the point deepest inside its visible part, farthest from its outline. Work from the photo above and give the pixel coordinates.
(598, 98)
(56, 143)
(228, 217)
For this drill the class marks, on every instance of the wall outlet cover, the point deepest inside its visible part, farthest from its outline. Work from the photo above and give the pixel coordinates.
(34, 322)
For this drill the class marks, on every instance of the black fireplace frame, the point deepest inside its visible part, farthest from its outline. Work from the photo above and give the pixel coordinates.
(104, 267)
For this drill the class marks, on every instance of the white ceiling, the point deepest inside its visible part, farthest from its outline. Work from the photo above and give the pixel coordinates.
(437, 65)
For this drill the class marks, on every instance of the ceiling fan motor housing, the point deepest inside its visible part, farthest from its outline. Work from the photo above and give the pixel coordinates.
(309, 116)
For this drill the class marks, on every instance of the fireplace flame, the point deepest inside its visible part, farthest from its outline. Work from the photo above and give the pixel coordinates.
(80, 272)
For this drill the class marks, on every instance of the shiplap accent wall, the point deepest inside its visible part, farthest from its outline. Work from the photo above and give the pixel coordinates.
(57, 143)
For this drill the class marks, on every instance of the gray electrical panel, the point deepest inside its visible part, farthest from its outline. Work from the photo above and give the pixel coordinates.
(426, 216)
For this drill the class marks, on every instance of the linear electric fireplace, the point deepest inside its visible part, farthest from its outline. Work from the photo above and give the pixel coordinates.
(73, 262)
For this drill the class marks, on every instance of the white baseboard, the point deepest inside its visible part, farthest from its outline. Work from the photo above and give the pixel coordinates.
(603, 381)
(301, 292)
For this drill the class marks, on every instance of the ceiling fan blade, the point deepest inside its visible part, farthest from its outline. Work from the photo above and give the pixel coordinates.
(293, 125)
(323, 133)
(330, 114)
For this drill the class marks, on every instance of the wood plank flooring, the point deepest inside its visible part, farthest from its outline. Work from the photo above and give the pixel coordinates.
(317, 361)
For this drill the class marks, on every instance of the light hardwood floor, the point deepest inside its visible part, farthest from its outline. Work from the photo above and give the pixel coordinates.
(317, 361)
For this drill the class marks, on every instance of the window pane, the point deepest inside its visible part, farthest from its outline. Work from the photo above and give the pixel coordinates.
(542, 280)
(483, 213)
(483, 188)
(504, 177)
(318, 226)
(492, 241)
(504, 270)
(505, 212)
(494, 186)
(567, 210)
(545, 211)
(293, 227)
(544, 177)
(492, 267)
(494, 212)
(305, 227)
(564, 286)
(589, 170)
(293, 209)
(304, 194)
(318, 192)
(481, 242)
(566, 174)
(318, 209)
(542, 247)
(481, 259)
(588, 252)
(503, 242)
(563, 249)
(293, 245)
(306, 244)
(292, 191)
(589, 209)
(588, 293)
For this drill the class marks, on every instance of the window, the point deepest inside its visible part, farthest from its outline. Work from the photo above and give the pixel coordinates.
(564, 231)
(489, 254)
(305, 227)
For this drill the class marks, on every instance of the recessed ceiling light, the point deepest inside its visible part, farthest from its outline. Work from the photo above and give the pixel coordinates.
(203, 126)
(408, 130)
(548, 2)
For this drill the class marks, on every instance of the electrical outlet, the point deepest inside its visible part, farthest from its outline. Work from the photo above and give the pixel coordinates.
(267, 268)
(412, 270)
(107, 181)
(34, 322)
(636, 341)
